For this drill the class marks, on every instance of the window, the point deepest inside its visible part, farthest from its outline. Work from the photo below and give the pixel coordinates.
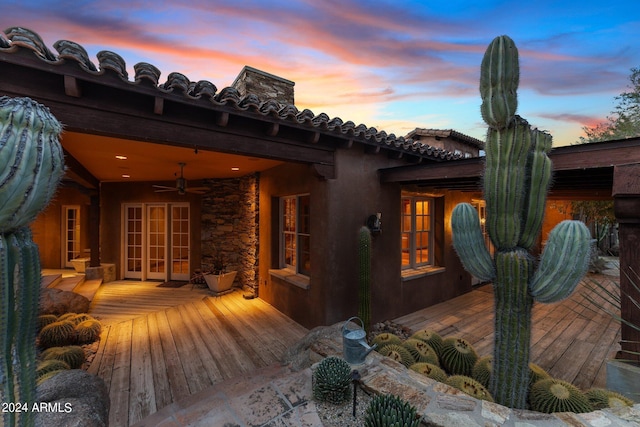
(295, 244)
(417, 232)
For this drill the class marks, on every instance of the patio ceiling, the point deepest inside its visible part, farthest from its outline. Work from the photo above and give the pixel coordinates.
(152, 162)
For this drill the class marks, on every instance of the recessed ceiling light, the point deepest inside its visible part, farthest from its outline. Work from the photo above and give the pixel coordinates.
(235, 168)
(121, 157)
(124, 175)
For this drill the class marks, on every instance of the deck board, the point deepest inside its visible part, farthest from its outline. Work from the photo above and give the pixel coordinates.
(570, 341)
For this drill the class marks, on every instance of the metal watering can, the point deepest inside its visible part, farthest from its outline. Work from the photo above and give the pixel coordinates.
(354, 343)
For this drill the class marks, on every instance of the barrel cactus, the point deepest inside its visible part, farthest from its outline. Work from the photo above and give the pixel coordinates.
(430, 370)
(457, 356)
(57, 334)
(554, 395)
(398, 353)
(516, 180)
(88, 331)
(385, 338)
(31, 166)
(421, 351)
(481, 371)
(430, 337)
(331, 380)
(50, 365)
(72, 355)
(386, 410)
(601, 398)
(364, 277)
(46, 319)
(469, 386)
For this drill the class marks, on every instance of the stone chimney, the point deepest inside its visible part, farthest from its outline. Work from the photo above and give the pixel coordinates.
(264, 85)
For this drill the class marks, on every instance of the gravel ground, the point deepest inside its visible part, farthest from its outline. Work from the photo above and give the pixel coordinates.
(342, 415)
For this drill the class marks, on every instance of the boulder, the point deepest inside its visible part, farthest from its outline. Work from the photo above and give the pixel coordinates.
(57, 301)
(73, 398)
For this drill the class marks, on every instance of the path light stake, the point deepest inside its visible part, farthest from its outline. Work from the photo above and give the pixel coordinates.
(31, 166)
(355, 377)
(517, 176)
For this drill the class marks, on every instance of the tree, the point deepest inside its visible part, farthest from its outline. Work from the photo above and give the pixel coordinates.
(624, 121)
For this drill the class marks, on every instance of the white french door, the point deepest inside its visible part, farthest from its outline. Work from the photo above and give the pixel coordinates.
(156, 241)
(71, 234)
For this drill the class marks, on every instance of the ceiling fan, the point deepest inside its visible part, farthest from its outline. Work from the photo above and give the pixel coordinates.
(181, 185)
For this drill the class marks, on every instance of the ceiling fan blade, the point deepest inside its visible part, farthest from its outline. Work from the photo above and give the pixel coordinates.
(198, 189)
(164, 187)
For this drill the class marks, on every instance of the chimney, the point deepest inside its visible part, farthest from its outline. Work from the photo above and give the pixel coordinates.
(264, 85)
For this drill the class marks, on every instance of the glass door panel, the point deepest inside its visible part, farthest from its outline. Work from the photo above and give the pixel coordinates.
(133, 247)
(156, 242)
(71, 234)
(180, 242)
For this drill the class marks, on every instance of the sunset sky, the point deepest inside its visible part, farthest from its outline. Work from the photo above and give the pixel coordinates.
(393, 65)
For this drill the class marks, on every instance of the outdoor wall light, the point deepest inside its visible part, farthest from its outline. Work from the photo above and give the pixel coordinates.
(374, 223)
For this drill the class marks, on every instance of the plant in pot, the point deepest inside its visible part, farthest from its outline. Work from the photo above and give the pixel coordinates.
(217, 277)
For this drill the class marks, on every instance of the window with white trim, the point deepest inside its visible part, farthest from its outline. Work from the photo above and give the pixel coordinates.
(295, 237)
(417, 232)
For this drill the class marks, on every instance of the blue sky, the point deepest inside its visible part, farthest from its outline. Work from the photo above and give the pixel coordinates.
(393, 65)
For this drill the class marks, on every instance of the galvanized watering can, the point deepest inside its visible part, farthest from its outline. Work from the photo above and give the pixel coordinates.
(354, 343)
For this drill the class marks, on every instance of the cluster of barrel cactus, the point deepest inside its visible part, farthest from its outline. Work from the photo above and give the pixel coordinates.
(31, 166)
(68, 329)
(386, 410)
(364, 276)
(517, 176)
(331, 380)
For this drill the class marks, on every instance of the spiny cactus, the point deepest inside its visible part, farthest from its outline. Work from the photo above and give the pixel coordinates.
(421, 351)
(432, 371)
(469, 386)
(88, 331)
(72, 355)
(553, 395)
(516, 179)
(57, 334)
(50, 365)
(457, 356)
(386, 410)
(536, 373)
(386, 338)
(77, 318)
(481, 371)
(31, 166)
(398, 353)
(600, 398)
(46, 319)
(364, 277)
(430, 337)
(331, 380)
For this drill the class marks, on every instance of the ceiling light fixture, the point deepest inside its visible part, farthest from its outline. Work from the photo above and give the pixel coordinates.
(235, 168)
(124, 175)
(121, 157)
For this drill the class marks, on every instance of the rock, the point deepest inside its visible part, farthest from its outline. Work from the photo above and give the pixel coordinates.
(57, 301)
(73, 398)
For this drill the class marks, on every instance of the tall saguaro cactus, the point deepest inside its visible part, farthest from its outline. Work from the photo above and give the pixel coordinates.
(31, 166)
(516, 180)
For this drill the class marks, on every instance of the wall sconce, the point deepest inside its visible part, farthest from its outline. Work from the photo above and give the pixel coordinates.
(374, 223)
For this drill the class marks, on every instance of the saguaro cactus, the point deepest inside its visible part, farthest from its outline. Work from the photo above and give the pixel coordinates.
(31, 166)
(364, 276)
(516, 180)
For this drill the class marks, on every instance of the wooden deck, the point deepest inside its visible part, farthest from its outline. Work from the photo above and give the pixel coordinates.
(570, 341)
(160, 345)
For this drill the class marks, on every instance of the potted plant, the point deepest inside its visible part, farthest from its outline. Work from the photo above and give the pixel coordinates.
(217, 277)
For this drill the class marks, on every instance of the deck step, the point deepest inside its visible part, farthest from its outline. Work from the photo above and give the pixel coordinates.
(70, 283)
(88, 288)
(50, 280)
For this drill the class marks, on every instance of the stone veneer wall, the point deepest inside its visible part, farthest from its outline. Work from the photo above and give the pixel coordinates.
(230, 226)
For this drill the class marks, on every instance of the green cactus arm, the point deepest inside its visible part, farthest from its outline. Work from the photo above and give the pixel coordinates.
(469, 242)
(499, 79)
(504, 181)
(564, 262)
(7, 327)
(540, 168)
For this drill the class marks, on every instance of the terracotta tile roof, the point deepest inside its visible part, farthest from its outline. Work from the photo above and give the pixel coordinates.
(148, 75)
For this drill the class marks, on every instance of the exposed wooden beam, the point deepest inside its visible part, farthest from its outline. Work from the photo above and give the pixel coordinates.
(71, 87)
(78, 173)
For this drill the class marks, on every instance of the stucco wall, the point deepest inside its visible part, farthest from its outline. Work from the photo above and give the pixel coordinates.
(339, 207)
(47, 227)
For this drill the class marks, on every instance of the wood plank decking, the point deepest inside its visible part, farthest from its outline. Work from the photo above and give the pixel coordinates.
(160, 345)
(570, 341)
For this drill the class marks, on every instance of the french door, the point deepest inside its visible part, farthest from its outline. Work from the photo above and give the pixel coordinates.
(70, 233)
(156, 241)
